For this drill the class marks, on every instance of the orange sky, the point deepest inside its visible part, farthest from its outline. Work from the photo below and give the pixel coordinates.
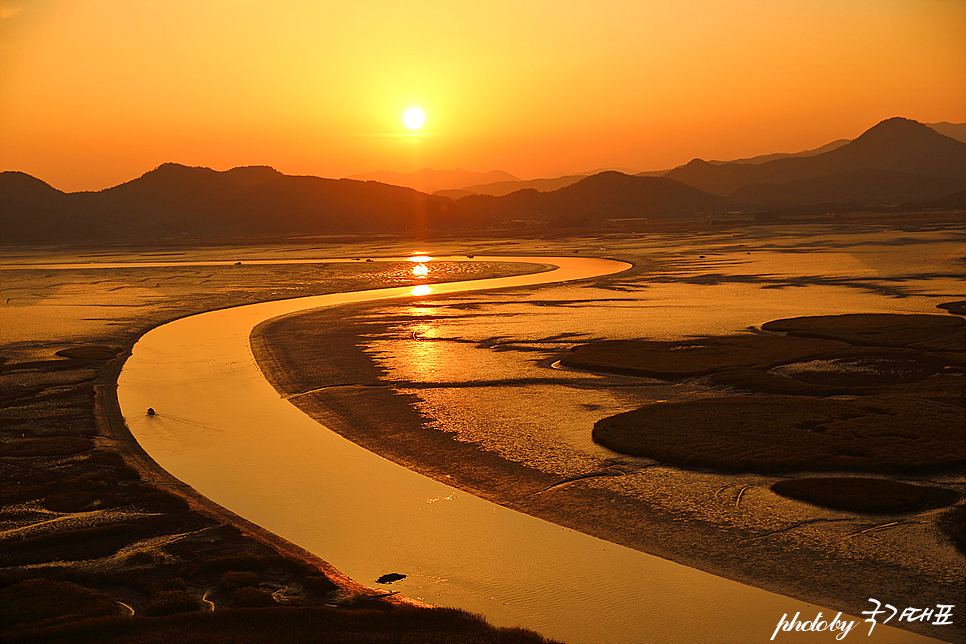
(97, 92)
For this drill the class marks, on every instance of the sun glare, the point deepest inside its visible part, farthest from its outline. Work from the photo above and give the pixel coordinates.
(414, 118)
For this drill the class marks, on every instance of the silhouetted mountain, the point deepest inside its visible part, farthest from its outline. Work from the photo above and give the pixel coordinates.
(860, 188)
(429, 180)
(763, 158)
(952, 130)
(172, 199)
(176, 200)
(896, 162)
(28, 206)
(315, 205)
(608, 195)
(896, 145)
(500, 188)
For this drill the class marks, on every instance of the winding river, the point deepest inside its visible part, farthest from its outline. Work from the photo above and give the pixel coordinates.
(223, 429)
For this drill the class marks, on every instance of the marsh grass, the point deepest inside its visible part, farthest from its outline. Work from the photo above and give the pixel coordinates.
(773, 434)
(929, 332)
(911, 418)
(864, 495)
(286, 625)
(172, 602)
(90, 353)
(906, 412)
(235, 579)
(47, 446)
(171, 554)
(952, 523)
(698, 357)
(249, 597)
(45, 602)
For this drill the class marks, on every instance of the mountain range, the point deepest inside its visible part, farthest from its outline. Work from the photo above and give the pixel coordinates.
(953, 130)
(897, 161)
(914, 161)
(429, 180)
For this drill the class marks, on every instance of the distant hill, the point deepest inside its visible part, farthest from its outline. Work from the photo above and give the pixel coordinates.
(896, 162)
(32, 209)
(175, 200)
(549, 184)
(430, 181)
(179, 201)
(763, 158)
(500, 188)
(859, 187)
(952, 130)
(932, 165)
(608, 195)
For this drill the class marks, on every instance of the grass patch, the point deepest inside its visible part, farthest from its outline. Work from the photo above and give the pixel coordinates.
(935, 332)
(72, 544)
(699, 357)
(910, 417)
(286, 625)
(791, 433)
(764, 382)
(248, 597)
(90, 353)
(957, 308)
(47, 446)
(860, 494)
(46, 601)
(172, 602)
(952, 523)
(235, 579)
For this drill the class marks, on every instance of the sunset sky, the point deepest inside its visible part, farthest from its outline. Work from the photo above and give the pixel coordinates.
(97, 92)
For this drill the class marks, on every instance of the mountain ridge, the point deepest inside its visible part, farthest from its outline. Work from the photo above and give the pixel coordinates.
(429, 180)
(894, 145)
(896, 161)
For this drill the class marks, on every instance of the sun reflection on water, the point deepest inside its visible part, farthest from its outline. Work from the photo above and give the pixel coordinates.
(422, 289)
(424, 356)
(420, 270)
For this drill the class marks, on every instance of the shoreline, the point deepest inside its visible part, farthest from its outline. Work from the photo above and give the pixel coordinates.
(111, 422)
(581, 503)
(106, 385)
(62, 414)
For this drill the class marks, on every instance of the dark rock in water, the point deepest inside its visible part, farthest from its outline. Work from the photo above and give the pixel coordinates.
(391, 577)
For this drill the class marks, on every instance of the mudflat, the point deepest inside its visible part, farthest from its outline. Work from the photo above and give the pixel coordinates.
(93, 529)
(731, 524)
(58, 428)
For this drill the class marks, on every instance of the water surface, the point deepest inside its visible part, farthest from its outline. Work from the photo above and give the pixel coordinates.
(224, 430)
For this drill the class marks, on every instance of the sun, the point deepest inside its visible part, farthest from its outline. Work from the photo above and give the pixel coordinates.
(414, 118)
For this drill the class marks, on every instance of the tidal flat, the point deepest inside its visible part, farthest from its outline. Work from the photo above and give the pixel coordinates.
(94, 533)
(473, 377)
(468, 389)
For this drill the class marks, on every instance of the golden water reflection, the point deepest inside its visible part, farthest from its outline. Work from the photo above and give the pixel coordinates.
(420, 270)
(422, 289)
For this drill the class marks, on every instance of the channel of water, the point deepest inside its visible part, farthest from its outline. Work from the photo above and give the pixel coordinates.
(223, 429)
